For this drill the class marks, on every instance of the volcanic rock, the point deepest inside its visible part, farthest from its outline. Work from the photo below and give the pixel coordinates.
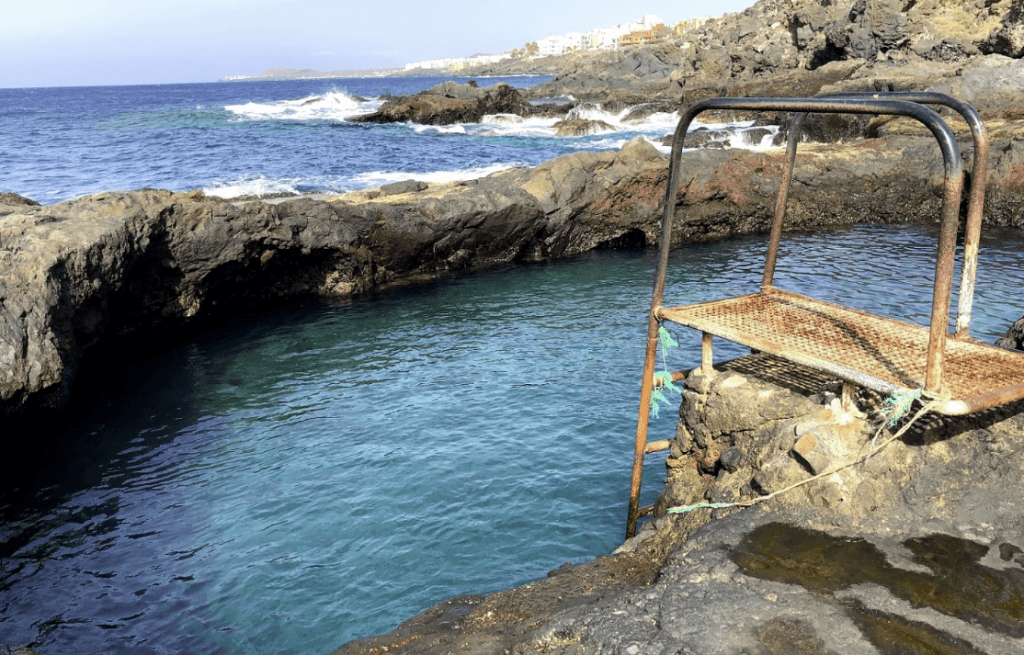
(581, 127)
(1014, 337)
(449, 103)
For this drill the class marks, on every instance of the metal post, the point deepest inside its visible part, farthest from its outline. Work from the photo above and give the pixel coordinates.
(780, 202)
(707, 359)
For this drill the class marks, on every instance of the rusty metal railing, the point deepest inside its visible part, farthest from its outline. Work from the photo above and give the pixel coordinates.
(976, 199)
(952, 188)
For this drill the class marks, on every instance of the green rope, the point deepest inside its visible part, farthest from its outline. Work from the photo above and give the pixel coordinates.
(658, 398)
(666, 341)
(895, 408)
(898, 405)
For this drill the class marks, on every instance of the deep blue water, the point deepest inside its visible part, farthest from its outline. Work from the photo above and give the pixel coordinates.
(258, 137)
(321, 472)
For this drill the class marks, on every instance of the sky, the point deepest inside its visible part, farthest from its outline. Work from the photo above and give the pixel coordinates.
(109, 42)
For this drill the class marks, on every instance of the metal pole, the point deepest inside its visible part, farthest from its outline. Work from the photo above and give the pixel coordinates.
(780, 202)
(650, 356)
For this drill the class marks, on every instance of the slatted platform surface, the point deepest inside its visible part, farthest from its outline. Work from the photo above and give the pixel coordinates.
(872, 351)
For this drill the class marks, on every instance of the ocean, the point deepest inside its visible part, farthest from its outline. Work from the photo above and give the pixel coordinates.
(260, 138)
(319, 472)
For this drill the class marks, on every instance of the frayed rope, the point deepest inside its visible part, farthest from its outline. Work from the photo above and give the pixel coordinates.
(663, 379)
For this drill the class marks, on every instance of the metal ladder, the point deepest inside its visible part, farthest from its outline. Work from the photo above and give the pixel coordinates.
(859, 348)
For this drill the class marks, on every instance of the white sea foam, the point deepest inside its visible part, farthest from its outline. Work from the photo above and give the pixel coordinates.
(439, 129)
(334, 105)
(252, 186)
(373, 179)
(511, 125)
(261, 186)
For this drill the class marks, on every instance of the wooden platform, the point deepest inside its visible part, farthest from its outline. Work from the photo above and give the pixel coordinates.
(875, 352)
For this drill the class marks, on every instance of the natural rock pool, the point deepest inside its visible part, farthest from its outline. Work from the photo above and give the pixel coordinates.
(322, 471)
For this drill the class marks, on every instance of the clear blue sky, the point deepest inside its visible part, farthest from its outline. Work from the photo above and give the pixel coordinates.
(96, 42)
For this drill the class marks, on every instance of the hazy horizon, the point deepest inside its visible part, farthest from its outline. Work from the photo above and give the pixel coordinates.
(120, 42)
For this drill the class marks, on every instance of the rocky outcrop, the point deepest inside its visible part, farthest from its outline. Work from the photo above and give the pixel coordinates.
(108, 266)
(1014, 337)
(581, 127)
(795, 48)
(448, 103)
(803, 48)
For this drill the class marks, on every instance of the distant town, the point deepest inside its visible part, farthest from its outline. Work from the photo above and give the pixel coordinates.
(646, 29)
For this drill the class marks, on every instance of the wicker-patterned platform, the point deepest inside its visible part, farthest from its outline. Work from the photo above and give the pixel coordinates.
(875, 352)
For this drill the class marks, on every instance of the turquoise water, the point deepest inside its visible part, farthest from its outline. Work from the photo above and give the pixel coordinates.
(322, 471)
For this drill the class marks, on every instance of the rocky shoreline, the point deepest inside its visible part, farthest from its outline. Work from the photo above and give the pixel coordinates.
(915, 550)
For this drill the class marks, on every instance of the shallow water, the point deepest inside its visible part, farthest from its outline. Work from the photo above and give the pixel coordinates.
(321, 472)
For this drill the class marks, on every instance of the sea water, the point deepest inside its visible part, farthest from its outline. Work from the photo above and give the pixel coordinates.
(324, 470)
(245, 138)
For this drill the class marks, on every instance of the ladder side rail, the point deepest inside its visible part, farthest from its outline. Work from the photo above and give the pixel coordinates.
(976, 198)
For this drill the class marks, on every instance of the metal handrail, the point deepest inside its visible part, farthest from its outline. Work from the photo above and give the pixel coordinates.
(947, 235)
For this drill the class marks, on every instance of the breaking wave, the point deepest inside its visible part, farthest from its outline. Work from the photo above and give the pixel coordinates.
(334, 105)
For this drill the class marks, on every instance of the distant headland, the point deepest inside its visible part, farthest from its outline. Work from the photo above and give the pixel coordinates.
(310, 74)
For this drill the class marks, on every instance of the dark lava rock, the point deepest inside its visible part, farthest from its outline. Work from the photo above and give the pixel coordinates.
(406, 186)
(731, 459)
(1014, 337)
(703, 137)
(581, 127)
(448, 103)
